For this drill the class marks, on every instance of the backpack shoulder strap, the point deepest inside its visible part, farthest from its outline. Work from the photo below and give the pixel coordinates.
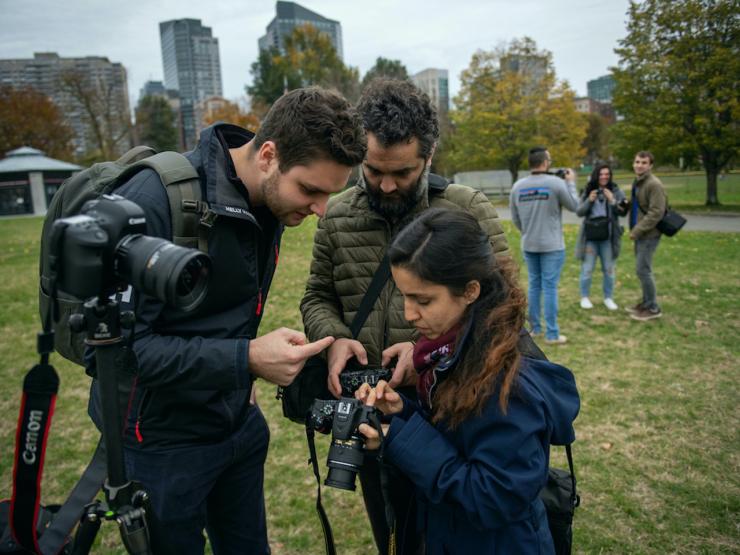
(190, 214)
(437, 184)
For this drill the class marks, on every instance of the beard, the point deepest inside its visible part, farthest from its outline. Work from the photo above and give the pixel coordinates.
(269, 188)
(397, 204)
(277, 205)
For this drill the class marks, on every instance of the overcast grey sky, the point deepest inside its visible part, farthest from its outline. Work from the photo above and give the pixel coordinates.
(581, 34)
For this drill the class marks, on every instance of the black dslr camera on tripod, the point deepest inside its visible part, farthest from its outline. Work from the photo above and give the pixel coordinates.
(95, 255)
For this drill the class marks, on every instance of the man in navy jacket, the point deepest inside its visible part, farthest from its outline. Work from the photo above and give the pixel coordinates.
(192, 437)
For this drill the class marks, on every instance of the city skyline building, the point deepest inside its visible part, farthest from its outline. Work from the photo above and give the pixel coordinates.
(152, 88)
(103, 82)
(288, 16)
(192, 66)
(587, 105)
(601, 89)
(436, 83)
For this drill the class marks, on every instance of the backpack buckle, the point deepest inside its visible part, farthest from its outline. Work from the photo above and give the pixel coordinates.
(191, 205)
(208, 218)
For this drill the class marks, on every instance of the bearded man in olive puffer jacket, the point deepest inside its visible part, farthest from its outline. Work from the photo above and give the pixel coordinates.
(393, 188)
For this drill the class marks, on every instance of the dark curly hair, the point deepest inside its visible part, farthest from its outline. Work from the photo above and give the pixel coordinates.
(396, 111)
(313, 124)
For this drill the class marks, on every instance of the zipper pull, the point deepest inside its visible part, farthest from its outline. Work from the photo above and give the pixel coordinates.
(139, 437)
(259, 302)
(277, 255)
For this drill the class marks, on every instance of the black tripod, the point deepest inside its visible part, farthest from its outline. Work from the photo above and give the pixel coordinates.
(126, 502)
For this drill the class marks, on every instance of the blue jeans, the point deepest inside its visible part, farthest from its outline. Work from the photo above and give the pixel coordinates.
(544, 274)
(218, 487)
(602, 250)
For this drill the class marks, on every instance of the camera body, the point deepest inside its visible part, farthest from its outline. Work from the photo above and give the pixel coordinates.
(355, 374)
(342, 418)
(559, 172)
(104, 249)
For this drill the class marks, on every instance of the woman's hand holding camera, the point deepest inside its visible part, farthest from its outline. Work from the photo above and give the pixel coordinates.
(385, 399)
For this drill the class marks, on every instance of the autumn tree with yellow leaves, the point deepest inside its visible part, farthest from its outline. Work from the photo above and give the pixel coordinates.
(510, 100)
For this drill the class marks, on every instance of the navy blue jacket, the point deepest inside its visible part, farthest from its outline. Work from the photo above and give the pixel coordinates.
(193, 381)
(478, 484)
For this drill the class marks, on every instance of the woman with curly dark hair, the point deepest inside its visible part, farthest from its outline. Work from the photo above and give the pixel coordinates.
(477, 444)
(600, 236)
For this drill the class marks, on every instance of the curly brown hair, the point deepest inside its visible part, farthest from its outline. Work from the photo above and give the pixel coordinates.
(450, 248)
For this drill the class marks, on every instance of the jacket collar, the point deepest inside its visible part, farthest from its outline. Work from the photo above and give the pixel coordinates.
(444, 367)
(225, 193)
(643, 178)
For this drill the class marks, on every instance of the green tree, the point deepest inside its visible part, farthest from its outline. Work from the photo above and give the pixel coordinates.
(509, 101)
(392, 69)
(309, 59)
(156, 123)
(269, 79)
(596, 141)
(29, 118)
(676, 83)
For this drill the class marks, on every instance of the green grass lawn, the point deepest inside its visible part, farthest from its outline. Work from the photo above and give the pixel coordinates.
(658, 448)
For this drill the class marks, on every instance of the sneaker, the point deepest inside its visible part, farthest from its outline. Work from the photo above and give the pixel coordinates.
(634, 309)
(561, 340)
(647, 314)
(586, 303)
(610, 304)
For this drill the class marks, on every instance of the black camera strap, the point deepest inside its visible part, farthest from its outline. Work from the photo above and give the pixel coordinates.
(575, 500)
(380, 277)
(40, 389)
(385, 487)
(325, 525)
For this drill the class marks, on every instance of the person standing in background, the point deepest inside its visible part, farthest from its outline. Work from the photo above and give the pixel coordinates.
(536, 203)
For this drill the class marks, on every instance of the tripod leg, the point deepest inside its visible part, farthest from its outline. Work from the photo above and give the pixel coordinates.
(86, 531)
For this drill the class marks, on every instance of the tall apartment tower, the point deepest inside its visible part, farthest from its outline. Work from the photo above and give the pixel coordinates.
(435, 82)
(601, 88)
(290, 15)
(192, 67)
(103, 82)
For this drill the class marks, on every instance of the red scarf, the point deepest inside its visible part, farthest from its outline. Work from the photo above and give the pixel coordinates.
(427, 353)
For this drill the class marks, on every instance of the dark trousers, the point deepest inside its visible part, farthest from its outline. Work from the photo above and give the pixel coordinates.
(409, 540)
(644, 252)
(218, 488)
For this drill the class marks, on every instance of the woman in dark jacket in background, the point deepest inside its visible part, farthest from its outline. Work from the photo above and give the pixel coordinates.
(602, 202)
(477, 445)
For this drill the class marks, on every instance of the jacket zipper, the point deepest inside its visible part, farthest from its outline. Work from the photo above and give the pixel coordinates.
(274, 269)
(145, 398)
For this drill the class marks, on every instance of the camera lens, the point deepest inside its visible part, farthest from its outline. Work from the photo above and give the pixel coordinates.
(175, 275)
(344, 461)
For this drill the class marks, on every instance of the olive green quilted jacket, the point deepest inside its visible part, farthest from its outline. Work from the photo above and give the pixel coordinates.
(348, 246)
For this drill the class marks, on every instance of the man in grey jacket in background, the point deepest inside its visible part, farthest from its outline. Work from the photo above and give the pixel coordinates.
(536, 204)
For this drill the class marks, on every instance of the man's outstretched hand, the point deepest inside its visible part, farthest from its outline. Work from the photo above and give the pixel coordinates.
(279, 356)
